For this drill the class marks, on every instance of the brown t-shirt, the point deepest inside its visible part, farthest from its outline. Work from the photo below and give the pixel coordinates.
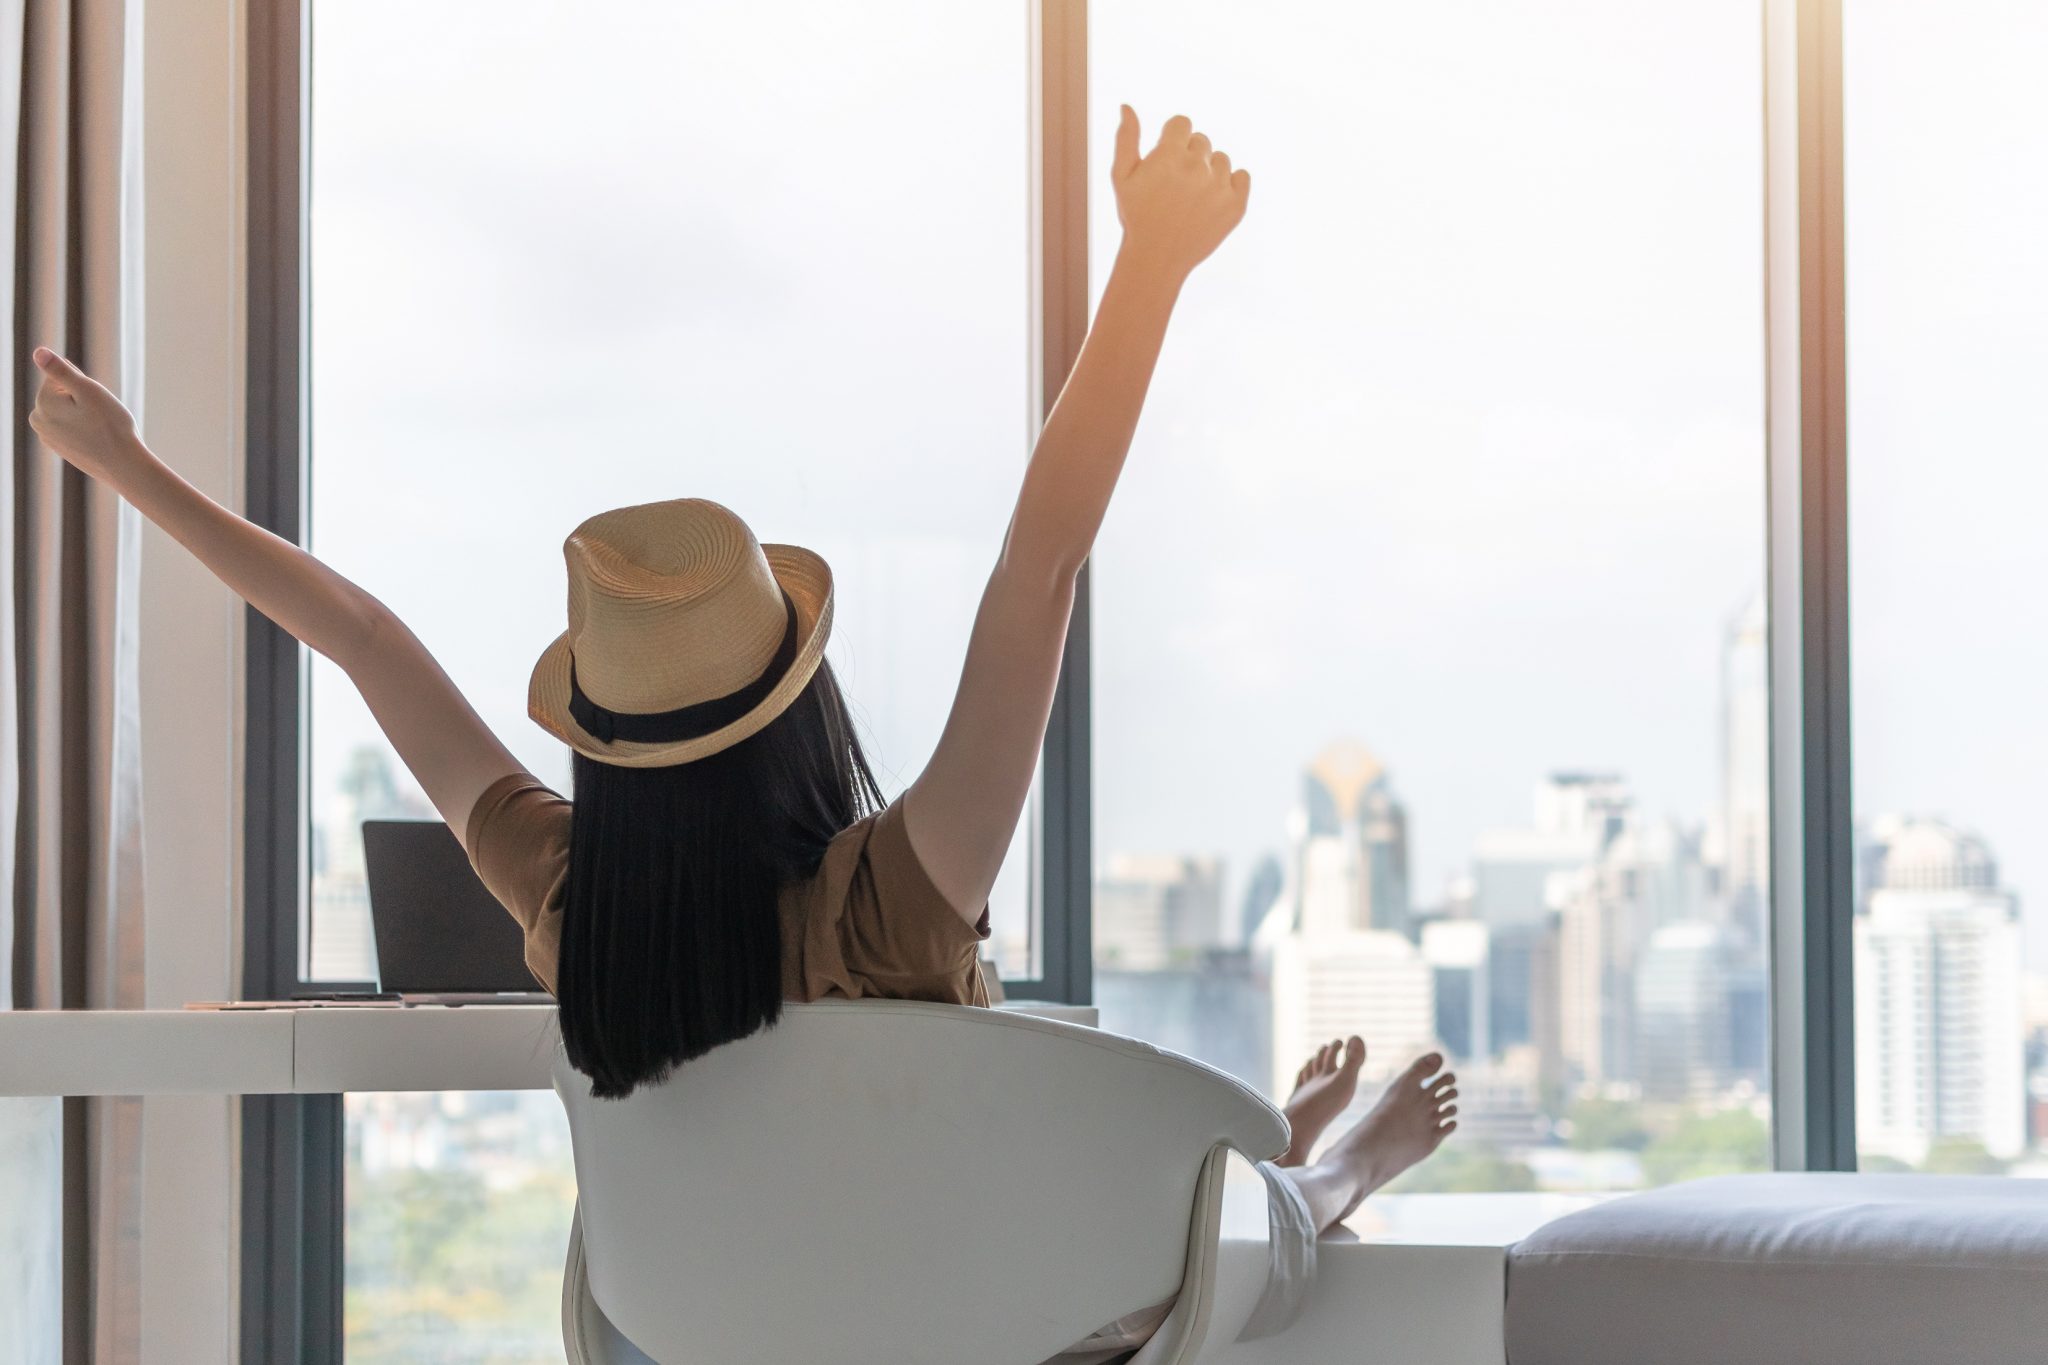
(869, 922)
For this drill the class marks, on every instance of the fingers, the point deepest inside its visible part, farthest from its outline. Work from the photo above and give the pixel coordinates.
(1176, 132)
(1126, 156)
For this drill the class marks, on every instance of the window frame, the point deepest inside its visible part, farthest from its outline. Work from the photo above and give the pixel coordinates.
(291, 1150)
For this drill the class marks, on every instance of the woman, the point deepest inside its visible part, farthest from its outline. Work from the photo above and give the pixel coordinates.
(727, 848)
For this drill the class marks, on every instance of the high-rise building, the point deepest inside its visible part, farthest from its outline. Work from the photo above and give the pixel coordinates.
(1745, 833)
(1459, 955)
(1342, 958)
(1693, 983)
(1262, 890)
(1563, 898)
(1363, 981)
(1351, 856)
(1153, 912)
(1519, 875)
(1940, 1045)
(1596, 961)
(1217, 1009)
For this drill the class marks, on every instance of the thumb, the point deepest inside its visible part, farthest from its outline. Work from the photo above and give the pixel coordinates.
(1126, 145)
(67, 377)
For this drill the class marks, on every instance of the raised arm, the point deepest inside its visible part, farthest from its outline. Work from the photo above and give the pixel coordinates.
(1177, 203)
(437, 733)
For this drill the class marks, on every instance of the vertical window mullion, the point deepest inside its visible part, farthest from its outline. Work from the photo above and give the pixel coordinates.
(1812, 832)
(290, 1152)
(1059, 303)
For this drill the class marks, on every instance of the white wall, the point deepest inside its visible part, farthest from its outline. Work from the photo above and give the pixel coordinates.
(191, 644)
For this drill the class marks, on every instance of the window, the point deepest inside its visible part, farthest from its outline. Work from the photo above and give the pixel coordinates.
(1428, 680)
(458, 1210)
(1428, 637)
(1947, 295)
(771, 256)
(777, 259)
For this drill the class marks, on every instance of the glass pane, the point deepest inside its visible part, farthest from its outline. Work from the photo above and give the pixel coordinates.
(773, 256)
(1946, 126)
(1430, 698)
(457, 1207)
(560, 266)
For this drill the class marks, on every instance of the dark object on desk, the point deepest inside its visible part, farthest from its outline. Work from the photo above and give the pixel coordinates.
(439, 929)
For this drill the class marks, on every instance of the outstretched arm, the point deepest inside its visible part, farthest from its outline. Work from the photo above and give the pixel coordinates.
(1177, 204)
(439, 736)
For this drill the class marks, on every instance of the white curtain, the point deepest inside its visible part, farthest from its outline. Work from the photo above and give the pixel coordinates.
(70, 782)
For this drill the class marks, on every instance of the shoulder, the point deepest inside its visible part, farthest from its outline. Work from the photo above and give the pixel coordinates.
(874, 924)
(518, 804)
(517, 837)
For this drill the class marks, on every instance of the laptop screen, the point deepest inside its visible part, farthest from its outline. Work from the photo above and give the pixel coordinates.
(439, 930)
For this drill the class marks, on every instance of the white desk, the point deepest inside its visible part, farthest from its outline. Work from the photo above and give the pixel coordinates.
(298, 1051)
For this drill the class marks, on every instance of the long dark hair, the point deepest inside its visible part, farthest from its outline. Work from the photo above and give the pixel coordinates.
(671, 925)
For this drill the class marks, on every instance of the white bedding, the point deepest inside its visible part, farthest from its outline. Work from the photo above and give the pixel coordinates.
(1798, 1269)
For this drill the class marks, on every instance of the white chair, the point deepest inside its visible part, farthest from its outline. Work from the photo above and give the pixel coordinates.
(888, 1181)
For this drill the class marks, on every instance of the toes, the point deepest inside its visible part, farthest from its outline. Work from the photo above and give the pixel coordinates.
(1445, 1086)
(1354, 1052)
(1423, 1067)
(1447, 1111)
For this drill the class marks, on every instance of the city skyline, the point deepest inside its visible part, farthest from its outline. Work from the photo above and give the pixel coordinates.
(1597, 953)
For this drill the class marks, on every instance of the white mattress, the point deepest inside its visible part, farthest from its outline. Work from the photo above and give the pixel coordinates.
(1790, 1270)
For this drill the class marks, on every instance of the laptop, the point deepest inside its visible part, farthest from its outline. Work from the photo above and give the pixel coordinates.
(441, 936)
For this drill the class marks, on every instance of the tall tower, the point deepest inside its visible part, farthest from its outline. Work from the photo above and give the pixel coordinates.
(1940, 1044)
(1745, 764)
(1352, 866)
(1342, 958)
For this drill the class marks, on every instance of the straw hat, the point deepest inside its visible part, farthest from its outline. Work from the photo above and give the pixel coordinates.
(686, 635)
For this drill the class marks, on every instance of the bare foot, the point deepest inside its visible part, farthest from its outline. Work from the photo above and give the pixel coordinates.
(1410, 1121)
(1322, 1090)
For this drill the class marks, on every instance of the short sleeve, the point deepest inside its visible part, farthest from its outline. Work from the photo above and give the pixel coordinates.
(899, 933)
(518, 842)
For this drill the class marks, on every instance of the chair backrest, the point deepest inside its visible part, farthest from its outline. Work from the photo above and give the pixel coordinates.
(900, 1182)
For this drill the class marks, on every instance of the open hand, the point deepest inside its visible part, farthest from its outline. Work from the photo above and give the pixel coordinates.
(1178, 201)
(78, 418)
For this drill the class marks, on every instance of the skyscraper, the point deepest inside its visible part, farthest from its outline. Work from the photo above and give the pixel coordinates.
(1693, 984)
(1342, 958)
(1576, 815)
(1354, 845)
(1459, 955)
(1745, 832)
(1363, 981)
(1261, 891)
(1940, 1049)
(1154, 912)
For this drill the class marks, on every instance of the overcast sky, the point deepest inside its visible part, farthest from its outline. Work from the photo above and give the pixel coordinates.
(1457, 447)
